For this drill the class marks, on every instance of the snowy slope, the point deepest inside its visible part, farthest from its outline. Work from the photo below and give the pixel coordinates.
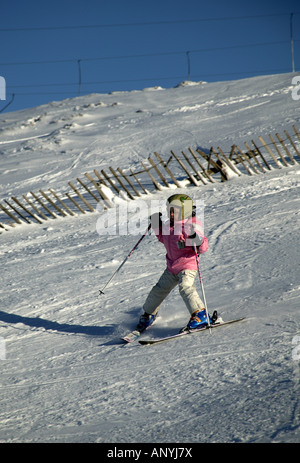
(66, 377)
(55, 143)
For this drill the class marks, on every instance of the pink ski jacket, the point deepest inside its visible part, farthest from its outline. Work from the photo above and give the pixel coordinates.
(181, 259)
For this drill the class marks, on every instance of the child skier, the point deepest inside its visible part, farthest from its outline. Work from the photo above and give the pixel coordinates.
(179, 235)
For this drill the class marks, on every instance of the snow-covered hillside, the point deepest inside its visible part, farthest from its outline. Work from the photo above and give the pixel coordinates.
(65, 376)
(55, 143)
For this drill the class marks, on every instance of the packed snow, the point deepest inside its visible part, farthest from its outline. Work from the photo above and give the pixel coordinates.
(65, 374)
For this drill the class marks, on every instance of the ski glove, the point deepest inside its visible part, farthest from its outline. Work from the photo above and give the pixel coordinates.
(196, 239)
(190, 241)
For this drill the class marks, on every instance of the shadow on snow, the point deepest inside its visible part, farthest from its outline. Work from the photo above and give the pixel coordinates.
(37, 322)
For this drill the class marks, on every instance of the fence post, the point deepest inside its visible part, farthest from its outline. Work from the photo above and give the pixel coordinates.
(165, 166)
(158, 172)
(136, 178)
(208, 158)
(61, 202)
(101, 193)
(88, 190)
(40, 213)
(277, 151)
(74, 202)
(293, 144)
(16, 210)
(240, 159)
(247, 158)
(155, 183)
(81, 197)
(261, 155)
(128, 181)
(52, 203)
(223, 164)
(99, 177)
(285, 148)
(3, 227)
(252, 155)
(205, 172)
(110, 181)
(43, 205)
(270, 152)
(229, 162)
(296, 132)
(7, 212)
(193, 167)
(26, 210)
(120, 182)
(190, 176)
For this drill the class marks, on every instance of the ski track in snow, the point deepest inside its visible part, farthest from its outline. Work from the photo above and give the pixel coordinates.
(66, 376)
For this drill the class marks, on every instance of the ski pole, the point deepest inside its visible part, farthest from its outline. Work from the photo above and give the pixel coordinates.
(202, 287)
(127, 257)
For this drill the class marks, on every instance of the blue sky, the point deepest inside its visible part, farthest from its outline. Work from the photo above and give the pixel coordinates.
(133, 44)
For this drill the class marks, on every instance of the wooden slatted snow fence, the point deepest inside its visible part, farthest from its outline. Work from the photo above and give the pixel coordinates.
(197, 166)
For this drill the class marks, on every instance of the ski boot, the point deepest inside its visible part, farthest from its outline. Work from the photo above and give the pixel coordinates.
(197, 320)
(145, 321)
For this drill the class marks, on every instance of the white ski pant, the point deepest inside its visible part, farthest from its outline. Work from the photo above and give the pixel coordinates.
(167, 282)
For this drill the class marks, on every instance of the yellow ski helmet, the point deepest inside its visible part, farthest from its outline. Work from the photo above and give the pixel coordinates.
(184, 202)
